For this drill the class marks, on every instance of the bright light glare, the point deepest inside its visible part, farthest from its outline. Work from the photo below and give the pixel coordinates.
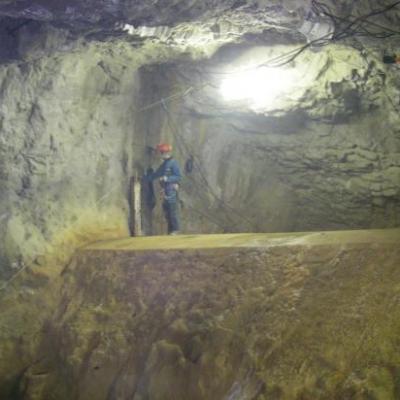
(260, 86)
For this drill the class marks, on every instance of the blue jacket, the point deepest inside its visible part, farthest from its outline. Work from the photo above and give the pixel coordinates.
(170, 169)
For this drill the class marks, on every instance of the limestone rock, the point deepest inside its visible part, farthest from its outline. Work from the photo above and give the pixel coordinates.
(215, 317)
(317, 160)
(68, 148)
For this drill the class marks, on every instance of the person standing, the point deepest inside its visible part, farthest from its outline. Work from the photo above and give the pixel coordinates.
(169, 176)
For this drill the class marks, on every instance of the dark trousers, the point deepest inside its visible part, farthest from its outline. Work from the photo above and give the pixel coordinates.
(171, 214)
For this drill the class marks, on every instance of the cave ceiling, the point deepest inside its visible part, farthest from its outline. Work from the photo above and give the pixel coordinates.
(223, 20)
(348, 80)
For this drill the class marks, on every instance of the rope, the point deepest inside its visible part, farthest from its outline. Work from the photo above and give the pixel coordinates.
(180, 140)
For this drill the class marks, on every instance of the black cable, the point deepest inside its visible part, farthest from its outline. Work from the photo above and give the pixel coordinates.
(290, 56)
(183, 148)
(265, 63)
(293, 54)
(225, 206)
(351, 29)
(353, 26)
(321, 8)
(384, 28)
(180, 142)
(212, 220)
(392, 103)
(206, 184)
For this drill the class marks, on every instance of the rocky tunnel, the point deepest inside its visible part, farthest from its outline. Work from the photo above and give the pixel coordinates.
(284, 119)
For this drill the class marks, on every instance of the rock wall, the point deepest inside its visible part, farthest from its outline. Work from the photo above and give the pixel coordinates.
(324, 156)
(77, 124)
(68, 148)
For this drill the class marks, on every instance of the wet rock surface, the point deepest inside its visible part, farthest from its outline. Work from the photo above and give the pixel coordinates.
(219, 317)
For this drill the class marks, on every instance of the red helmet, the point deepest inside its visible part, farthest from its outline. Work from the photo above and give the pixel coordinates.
(164, 148)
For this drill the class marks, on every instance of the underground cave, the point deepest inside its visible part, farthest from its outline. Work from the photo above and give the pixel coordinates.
(199, 200)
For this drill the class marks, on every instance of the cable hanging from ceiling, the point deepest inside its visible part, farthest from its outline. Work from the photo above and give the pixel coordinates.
(185, 150)
(344, 28)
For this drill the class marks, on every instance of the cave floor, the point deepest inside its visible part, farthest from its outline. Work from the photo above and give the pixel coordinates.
(249, 240)
(283, 316)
